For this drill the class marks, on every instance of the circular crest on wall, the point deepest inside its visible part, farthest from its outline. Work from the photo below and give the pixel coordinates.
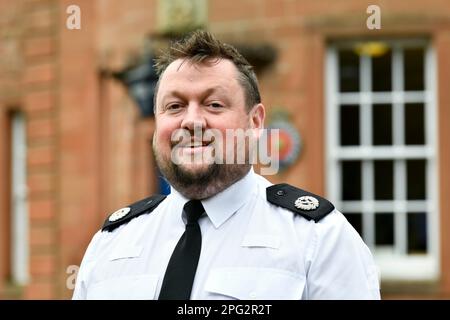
(289, 143)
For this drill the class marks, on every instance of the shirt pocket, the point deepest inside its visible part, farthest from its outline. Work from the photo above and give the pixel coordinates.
(254, 284)
(126, 252)
(141, 287)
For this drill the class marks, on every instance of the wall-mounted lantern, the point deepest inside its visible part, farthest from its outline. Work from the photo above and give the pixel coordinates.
(140, 81)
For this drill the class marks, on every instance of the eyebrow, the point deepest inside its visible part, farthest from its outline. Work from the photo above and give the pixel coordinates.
(179, 94)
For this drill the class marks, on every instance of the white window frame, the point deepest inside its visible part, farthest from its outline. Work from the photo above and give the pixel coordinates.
(19, 208)
(397, 264)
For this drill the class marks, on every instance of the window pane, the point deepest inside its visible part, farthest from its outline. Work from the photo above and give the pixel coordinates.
(19, 249)
(355, 220)
(413, 72)
(414, 123)
(349, 125)
(384, 179)
(417, 232)
(348, 71)
(351, 180)
(384, 229)
(382, 124)
(416, 179)
(381, 72)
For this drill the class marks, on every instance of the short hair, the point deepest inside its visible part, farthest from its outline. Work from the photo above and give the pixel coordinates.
(200, 47)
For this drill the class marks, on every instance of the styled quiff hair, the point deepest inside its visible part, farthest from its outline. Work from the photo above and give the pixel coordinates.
(202, 47)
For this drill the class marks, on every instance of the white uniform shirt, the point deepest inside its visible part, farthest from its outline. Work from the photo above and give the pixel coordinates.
(251, 249)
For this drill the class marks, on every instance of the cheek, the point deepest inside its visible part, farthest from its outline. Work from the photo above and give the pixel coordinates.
(163, 133)
(230, 121)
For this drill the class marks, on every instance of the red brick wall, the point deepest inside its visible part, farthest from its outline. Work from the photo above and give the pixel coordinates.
(78, 119)
(28, 81)
(39, 100)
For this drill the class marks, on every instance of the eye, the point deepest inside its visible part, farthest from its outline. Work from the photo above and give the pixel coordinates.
(215, 105)
(173, 106)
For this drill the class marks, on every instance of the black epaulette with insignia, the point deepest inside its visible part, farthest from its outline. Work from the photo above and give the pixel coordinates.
(307, 204)
(126, 214)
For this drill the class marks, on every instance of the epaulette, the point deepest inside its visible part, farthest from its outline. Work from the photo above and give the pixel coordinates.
(134, 210)
(304, 203)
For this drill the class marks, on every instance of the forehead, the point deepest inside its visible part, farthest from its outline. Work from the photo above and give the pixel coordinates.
(222, 72)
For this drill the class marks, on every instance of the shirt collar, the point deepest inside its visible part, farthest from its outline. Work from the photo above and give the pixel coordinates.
(223, 205)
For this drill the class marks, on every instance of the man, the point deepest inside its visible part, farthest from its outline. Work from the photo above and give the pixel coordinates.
(224, 232)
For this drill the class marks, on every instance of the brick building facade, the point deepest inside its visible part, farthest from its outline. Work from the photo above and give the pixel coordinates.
(87, 149)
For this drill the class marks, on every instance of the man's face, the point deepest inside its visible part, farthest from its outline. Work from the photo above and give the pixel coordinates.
(199, 97)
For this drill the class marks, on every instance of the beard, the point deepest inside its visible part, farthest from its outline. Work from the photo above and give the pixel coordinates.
(199, 183)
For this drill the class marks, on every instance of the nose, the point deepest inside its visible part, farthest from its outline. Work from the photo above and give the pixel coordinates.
(193, 118)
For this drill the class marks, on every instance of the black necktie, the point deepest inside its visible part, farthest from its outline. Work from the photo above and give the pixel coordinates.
(180, 272)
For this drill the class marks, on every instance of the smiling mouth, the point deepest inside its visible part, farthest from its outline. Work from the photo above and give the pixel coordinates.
(198, 144)
(194, 144)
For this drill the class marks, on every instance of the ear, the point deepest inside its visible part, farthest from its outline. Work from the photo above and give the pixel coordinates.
(257, 116)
